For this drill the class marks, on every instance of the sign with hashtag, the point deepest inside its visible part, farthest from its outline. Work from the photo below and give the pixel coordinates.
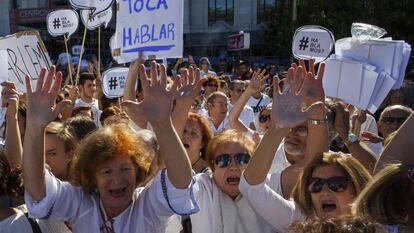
(26, 54)
(94, 21)
(62, 22)
(312, 42)
(154, 27)
(95, 6)
(113, 82)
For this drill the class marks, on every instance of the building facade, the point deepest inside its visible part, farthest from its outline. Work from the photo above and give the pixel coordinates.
(207, 24)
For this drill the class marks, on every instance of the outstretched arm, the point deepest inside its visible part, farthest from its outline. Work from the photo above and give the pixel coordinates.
(13, 148)
(189, 89)
(257, 83)
(157, 109)
(41, 110)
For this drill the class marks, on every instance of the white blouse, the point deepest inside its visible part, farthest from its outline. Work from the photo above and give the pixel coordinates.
(149, 211)
(219, 213)
(269, 203)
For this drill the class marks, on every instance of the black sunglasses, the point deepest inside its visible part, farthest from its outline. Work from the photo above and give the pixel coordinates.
(224, 160)
(336, 184)
(392, 120)
(263, 118)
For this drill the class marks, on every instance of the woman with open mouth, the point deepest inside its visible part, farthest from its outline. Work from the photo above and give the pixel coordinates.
(110, 164)
(326, 183)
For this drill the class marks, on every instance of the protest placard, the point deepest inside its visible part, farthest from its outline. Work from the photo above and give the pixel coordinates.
(94, 5)
(26, 55)
(113, 82)
(312, 42)
(153, 27)
(3, 66)
(62, 22)
(94, 21)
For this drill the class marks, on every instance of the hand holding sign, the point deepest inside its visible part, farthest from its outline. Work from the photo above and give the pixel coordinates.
(312, 42)
(94, 21)
(94, 5)
(62, 22)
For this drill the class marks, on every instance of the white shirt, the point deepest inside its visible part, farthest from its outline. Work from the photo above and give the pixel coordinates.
(246, 116)
(149, 211)
(370, 125)
(219, 213)
(15, 223)
(280, 161)
(257, 105)
(208, 73)
(95, 109)
(269, 203)
(224, 125)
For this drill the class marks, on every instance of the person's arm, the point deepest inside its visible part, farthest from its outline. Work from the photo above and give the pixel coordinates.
(359, 151)
(190, 87)
(73, 95)
(256, 84)
(41, 110)
(400, 147)
(286, 113)
(13, 147)
(157, 109)
(130, 91)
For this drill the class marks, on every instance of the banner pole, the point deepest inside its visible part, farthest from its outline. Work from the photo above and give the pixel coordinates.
(67, 56)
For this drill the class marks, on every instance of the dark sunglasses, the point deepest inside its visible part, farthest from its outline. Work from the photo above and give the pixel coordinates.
(224, 160)
(263, 118)
(212, 85)
(392, 120)
(336, 184)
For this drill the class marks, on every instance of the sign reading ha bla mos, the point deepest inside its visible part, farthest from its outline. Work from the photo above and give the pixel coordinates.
(154, 27)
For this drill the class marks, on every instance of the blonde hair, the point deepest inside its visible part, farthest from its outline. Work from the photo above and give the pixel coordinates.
(389, 197)
(356, 173)
(228, 136)
(105, 144)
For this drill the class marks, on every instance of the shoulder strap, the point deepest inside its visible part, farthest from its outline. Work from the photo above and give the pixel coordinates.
(33, 224)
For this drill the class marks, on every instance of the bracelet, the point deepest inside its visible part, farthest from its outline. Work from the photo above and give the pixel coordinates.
(317, 122)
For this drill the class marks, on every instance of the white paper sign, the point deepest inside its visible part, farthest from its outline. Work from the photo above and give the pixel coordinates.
(62, 22)
(76, 50)
(94, 21)
(312, 42)
(3, 66)
(97, 6)
(154, 27)
(114, 81)
(26, 55)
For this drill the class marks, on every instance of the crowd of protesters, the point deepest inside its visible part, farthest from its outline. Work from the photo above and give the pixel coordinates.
(192, 149)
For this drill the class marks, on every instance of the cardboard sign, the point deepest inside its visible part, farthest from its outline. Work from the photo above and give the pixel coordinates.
(62, 22)
(26, 55)
(154, 27)
(97, 6)
(94, 21)
(113, 82)
(312, 42)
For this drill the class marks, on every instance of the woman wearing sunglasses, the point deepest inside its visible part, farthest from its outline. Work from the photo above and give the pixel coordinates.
(222, 208)
(109, 166)
(327, 182)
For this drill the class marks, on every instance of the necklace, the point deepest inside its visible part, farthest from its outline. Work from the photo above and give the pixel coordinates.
(192, 165)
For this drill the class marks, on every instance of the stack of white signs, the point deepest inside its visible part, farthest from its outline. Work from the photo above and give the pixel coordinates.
(362, 73)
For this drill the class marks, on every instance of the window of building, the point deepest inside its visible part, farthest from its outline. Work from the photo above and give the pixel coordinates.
(263, 6)
(220, 10)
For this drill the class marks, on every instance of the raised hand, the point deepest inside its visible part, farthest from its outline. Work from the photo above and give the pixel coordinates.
(189, 87)
(287, 108)
(10, 98)
(257, 82)
(314, 89)
(157, 104)
(41, 107)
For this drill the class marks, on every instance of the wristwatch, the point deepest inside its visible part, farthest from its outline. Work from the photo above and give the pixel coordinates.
(351, 139)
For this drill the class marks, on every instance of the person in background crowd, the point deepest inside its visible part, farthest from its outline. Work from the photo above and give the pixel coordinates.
(246, 116)
(79, 127)
(392, 118)
(243, 70)
(205, 67)
(223, 68)
(217, 112)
